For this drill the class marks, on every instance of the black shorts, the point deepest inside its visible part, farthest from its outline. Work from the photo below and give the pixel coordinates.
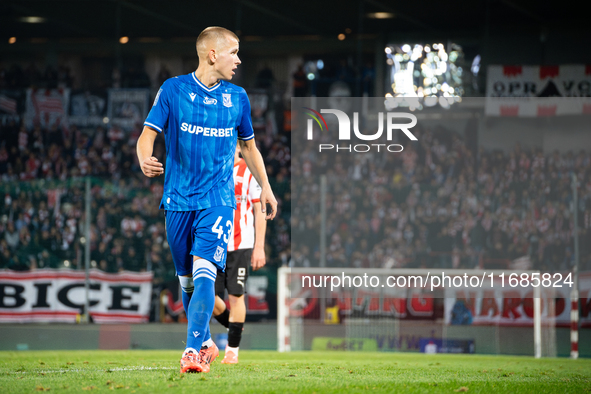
(234, 279)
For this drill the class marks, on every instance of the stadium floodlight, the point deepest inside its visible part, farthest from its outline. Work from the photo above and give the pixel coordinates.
(32, 19)
(416, 68)
(380, 15)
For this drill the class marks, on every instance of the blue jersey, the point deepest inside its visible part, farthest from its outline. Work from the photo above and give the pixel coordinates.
(201, 126)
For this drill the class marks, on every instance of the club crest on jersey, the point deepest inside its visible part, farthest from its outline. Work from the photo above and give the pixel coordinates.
(219, 253)
(227, 99)
(210, 101)
(192, 95)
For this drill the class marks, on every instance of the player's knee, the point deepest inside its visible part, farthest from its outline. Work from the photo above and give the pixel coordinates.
(235, 299)
(186, 284)
(218, 309)
(219, 302)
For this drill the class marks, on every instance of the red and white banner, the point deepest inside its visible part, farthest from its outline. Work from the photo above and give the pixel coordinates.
(47, 107)
(508, 306)
(7, 104)
(58, 295)
(538, 91)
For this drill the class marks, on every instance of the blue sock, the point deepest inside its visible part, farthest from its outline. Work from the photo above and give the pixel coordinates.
(201, 304)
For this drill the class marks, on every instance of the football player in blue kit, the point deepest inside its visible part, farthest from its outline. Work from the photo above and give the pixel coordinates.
(202, 117)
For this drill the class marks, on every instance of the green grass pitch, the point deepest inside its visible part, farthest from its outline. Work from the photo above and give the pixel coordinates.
(143, 371)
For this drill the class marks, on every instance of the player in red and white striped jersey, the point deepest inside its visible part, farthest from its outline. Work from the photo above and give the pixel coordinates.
(247, 245)
(248, 193)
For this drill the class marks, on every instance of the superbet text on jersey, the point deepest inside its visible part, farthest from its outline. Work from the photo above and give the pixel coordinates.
(201, 126)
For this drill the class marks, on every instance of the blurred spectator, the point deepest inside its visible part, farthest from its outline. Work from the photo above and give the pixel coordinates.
(264, 78)
(163, 75)
(11, 236)
(300, 82)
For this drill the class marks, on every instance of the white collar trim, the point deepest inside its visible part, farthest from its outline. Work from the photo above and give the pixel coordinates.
(214, 87)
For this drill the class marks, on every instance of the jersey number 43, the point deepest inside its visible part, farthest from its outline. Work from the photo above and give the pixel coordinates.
(219, 230)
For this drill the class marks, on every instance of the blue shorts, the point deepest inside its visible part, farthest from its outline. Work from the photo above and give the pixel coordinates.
(204, 233)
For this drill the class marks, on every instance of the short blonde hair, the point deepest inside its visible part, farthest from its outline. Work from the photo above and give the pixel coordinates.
(216, 33)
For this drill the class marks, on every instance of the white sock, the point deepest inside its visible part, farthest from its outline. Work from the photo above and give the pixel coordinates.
(232, 349)
(207, 343)
(186, 284)
(189, 349)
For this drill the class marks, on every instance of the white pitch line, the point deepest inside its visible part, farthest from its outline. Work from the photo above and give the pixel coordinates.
(97, 370)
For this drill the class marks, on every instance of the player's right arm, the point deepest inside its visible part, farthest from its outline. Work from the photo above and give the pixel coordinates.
(258, 259)
(155, 123)
(150, 165)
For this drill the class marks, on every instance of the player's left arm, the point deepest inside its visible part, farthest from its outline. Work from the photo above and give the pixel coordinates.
(256, 165)
(258, 259)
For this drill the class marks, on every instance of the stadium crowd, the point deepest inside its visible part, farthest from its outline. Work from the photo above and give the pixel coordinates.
(14, 76)
(439, 205)
(42, 214)
(436, 204)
